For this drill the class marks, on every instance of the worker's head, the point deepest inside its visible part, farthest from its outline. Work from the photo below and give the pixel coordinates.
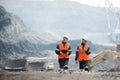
(65, 38)
(84, 39)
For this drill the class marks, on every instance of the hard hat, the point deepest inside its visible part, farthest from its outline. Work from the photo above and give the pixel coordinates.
(66, 36)
(85, 38)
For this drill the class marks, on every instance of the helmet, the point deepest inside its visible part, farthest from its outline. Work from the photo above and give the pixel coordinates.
(85, 38)
(66, 36)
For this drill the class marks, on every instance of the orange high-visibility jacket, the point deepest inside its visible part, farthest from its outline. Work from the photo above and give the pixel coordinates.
(81, 53)
(62, 47)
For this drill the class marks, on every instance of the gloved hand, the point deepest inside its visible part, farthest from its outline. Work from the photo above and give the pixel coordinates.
(69, 52)
(61, 52)
(58, 52)
(87, 52)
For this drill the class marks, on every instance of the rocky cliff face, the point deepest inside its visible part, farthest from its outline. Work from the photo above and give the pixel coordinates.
(14, 37)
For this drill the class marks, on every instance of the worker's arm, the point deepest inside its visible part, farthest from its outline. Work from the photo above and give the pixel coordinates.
(76, 56)
(88, 51)
(69, 50)
(57, 50)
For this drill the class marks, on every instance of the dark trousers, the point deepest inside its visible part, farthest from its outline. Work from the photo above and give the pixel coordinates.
(63, 63)
(84, 65)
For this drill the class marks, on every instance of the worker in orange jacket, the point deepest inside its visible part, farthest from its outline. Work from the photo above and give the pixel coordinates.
(82, 55)
(63, 50)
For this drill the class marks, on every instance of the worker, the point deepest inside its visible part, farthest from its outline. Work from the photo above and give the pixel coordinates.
(82, 55)
(63, 50)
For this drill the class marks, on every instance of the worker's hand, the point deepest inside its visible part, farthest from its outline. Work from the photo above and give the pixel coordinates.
(57, 51)
(76, 61)
(61, 52)
(69, 52)
(87, 52)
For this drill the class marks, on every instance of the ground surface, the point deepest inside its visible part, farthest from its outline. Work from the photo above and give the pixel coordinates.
(59, 76)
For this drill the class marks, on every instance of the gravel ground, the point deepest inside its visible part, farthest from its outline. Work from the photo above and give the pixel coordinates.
(59, 76)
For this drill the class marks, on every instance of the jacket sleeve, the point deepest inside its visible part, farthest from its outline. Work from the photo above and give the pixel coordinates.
(69, 50)
(57, 50)
(76, 55)
(88, 51)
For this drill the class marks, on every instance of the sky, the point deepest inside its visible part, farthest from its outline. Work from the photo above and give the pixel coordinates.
(96, 3)
(99, 3)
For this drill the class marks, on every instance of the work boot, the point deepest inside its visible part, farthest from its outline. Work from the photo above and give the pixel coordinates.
(65, 67)
(65, 70)
(86, 68)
